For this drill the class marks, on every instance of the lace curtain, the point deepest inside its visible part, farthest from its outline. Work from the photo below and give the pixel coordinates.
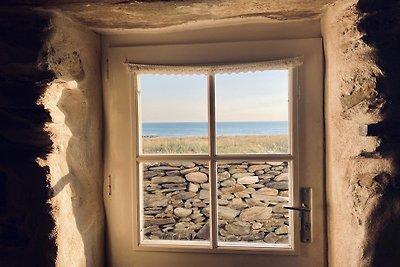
(214, 68)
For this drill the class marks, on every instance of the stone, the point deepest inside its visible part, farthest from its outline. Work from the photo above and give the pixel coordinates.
(167, 180)
(277, 168)
(152, 212)
(223, 202)
(172, 185)
(232, 238)
(238, 204)
(223, 176)
(238, 228)
(228, 183)
(256, 162)
(243, 174)
(279, 208)
(184, 195)
(182, 212)
(186, 171)
(233, 189)
(169, 209)
(199, 204)
(204, 170)
(151, 229)
(193, 187)
(255, 213)
(256, 226)
(197, 177)
(205, 186)
(248, 180)
(226, 213)
(204, 232)
(284, 193)
(255, 186)
(254, 168)
(275, 163)
(155, 200)
(283, 240)
(282, 177)
(227, 196)
(175, 189)
(268, 191)
(196, 215)
(173, 173)
(158, 221)
(273, 222)
(206, 211)
(204, 194)
(266, 176)
(271, 238)
(278, 185)
(149, 174)
(188, 164)
(253, 202)
(284, 229)
(164, 168)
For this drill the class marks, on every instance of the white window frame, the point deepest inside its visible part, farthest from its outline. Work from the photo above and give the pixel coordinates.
(120, 191)
(212, 158)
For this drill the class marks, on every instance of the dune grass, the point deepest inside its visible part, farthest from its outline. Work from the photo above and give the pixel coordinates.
(225, 144)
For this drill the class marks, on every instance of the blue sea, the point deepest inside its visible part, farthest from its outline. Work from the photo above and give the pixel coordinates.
(180, 129)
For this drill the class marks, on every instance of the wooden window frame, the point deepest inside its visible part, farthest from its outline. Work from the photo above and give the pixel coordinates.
(213, 157)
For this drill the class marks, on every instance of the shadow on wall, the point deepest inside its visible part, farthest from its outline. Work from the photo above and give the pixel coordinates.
(381, 28)
(73, 104)
(25, 220)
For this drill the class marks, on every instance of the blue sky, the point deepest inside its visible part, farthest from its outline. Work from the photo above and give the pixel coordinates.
(253, 96)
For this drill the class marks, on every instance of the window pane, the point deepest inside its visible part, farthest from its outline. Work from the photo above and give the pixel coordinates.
(251, 196)
(174, 114)
(252, 112)
(176, 201)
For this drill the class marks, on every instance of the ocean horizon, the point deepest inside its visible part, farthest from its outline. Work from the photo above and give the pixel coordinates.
(183, 129)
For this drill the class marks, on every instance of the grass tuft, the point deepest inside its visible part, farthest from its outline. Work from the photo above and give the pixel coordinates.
(225, 144)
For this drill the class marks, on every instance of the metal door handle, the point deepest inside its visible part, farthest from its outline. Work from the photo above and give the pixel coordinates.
(305, 216)
(305, 209)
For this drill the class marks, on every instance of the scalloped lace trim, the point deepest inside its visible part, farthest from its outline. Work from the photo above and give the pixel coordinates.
(214, 68)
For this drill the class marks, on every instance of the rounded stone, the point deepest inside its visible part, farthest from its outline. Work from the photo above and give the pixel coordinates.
(182, 212)
(196, 177)
(248, 180)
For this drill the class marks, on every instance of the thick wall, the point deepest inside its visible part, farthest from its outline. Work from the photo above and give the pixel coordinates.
(51, 211)
(74, 101)
(363, 200)
(26, 224)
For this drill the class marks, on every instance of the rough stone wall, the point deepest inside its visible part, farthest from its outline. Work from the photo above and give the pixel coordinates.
(251, 196)
(50, 140)
(74, 101)
(25, 221)
(362, 75)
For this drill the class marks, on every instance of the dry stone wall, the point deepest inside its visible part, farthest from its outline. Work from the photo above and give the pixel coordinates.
(251, 195)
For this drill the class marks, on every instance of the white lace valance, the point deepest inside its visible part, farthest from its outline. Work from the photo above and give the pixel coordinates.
(214, 68)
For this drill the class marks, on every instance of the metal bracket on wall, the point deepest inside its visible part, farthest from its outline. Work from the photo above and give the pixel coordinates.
(109, 185)
(305, 216)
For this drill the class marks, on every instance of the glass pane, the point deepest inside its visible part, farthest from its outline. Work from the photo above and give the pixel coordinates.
(251, 196)
(252, 112)
(176, 201)
(174, 114)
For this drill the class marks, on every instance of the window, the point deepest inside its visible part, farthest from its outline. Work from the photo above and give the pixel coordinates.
(130, 161)
(215, 159)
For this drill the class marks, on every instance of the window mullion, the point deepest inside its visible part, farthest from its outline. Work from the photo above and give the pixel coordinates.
(212, 153)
